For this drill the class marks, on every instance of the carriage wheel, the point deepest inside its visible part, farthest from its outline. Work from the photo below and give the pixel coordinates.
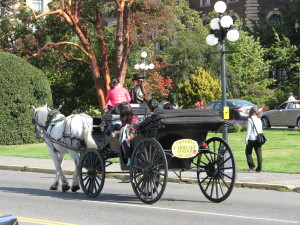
(148, 171)
(216, 170)
(91, 173)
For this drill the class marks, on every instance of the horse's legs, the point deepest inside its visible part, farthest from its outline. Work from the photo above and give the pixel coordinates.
(57, 158)
(75, 183)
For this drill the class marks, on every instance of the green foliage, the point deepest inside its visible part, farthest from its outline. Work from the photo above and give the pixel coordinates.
(247, 70)
(235, 128)
(94, 112)
(186, 48)
(282, 54)
(22, 85)
(200, 86)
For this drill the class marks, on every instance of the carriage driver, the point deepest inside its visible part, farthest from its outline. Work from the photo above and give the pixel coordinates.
(140, 93)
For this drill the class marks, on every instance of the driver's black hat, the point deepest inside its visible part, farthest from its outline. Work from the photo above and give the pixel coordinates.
(138, 76)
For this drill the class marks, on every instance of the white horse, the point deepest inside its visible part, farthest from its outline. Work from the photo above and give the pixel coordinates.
(74, 131)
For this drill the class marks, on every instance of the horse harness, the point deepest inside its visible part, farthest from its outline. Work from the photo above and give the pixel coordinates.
(51, 122)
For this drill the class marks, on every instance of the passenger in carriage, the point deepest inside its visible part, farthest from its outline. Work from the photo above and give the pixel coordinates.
(128, 119)
(153, 106)
(115, 95)
(140, 93)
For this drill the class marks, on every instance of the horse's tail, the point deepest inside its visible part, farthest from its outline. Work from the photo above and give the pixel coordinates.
(87, 132)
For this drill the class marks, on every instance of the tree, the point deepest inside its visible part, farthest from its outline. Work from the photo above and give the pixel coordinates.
(160, 86)
(200, 86)
(85, 18)
(21, 85)
(282, 54)
(185, 49)
(247, 71)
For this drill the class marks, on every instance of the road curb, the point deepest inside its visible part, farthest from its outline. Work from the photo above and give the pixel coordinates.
(122, 176)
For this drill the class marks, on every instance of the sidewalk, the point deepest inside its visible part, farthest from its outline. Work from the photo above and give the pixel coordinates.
(264, 180)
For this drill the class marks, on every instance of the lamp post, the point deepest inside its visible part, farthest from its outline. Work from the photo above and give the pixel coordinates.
(144, 65)
(299, 84)
(222, 28)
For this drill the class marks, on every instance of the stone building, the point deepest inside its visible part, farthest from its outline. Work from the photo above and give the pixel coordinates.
(244, 10)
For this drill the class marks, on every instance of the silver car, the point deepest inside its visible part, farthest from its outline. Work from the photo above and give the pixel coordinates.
(287, 114)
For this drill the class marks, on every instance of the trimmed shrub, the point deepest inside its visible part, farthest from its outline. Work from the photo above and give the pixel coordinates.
(21, 85)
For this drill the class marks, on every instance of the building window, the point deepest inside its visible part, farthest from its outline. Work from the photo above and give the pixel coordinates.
(37, 5)
(275, 19)
(205, 2)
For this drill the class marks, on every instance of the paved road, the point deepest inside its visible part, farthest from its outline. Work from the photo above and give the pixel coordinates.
(264, 180)
(26, 196)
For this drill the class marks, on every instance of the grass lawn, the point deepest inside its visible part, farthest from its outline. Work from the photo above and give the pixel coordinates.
(281, 153)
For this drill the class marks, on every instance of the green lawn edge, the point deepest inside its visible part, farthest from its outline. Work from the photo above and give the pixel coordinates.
(281, 153)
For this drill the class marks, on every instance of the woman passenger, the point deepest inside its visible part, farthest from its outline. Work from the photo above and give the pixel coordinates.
(128, 120)
(115, 95)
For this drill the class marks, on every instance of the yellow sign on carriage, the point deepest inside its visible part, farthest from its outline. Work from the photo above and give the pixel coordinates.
(185, 148)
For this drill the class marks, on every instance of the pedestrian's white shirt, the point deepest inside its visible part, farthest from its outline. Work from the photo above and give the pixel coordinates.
(291, 98)
(251, 133)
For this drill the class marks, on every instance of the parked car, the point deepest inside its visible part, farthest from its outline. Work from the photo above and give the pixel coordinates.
(287, 114)
(238, 108)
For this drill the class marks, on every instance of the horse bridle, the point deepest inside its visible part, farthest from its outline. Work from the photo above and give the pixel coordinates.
(35, 121)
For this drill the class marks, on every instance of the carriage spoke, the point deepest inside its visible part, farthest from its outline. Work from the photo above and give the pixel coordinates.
(224, 174)
(216, 184)
(140, 181)
(87, 182)
(221, 162)
(203, 180)
(157, 181)
(84, 179)
(208, 183)
(223, 182)
(209, 158)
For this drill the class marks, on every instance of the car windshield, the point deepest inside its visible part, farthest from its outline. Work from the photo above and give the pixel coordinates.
(240, 103)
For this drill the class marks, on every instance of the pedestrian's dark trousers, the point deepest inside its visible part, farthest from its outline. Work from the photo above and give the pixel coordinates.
(257, 147)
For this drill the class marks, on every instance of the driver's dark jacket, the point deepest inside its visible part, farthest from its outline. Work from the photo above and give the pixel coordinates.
(137, 95)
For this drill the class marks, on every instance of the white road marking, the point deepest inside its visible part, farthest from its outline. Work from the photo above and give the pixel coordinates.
(196, 212)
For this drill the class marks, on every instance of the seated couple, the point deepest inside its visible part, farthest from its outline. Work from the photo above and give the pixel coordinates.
(118, 94)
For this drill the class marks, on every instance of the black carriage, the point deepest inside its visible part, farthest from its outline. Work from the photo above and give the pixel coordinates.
(169, 140)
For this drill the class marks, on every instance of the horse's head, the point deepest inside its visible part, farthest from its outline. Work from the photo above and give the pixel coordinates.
(39, 120)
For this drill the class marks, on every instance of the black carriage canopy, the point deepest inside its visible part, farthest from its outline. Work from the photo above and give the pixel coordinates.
(199, 119)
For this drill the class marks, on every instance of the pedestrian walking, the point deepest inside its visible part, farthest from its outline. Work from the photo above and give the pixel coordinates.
(254, 127)
(291, 97)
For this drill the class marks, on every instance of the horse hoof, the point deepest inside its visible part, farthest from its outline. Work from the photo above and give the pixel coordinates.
(53, 188)
(65, 187)
(75, 188)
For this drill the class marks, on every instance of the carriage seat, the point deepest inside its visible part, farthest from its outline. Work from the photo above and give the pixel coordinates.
(138, 109)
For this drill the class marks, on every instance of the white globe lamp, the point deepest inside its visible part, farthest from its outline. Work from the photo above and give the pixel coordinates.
(142, 66)
(137, 66)
(233, 35)
(214, 24)
(151, 66)
(144, 55)
(220, 7)
(226, 21)
(211, 40)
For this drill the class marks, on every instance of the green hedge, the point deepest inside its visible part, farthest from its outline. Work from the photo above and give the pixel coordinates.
(21, 85)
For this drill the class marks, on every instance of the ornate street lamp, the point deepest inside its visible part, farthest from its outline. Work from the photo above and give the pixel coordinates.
(144, 65)
(222, 28)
